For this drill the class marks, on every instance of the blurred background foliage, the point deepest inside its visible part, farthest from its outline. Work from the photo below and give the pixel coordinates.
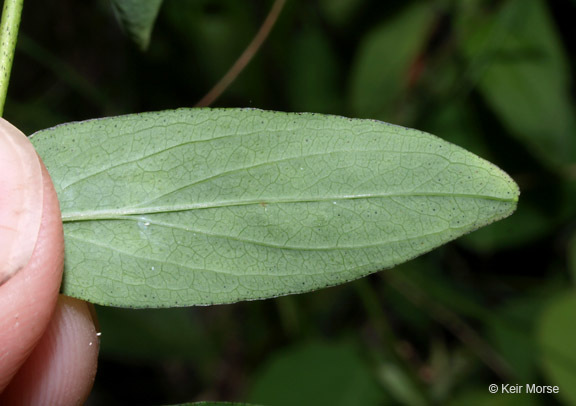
(497, 306)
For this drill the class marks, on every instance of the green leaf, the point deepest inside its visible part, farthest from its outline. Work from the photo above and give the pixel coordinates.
(204, 206)
(557, 335)
(525, 78)
(138, 17)
(318, 374)
(381, 70)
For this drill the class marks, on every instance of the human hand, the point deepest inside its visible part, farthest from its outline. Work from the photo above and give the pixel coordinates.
(48, 342)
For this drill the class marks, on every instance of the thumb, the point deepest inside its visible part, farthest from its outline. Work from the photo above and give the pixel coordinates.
(21, 200)
(31, 249)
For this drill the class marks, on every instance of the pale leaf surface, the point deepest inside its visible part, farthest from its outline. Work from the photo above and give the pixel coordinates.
(205, 206)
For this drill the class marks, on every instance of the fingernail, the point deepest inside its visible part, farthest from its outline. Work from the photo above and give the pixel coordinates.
(21, 200)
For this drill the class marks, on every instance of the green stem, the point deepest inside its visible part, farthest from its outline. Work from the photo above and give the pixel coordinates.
(9, 25)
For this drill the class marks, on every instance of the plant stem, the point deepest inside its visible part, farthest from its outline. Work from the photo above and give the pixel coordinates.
(246, 56)
(9, 25)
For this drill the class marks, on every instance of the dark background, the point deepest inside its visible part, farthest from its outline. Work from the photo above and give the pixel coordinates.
(497, 306)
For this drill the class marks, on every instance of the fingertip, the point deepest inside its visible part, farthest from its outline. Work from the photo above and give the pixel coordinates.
(21, 200)
(27, 300)
(62, 367)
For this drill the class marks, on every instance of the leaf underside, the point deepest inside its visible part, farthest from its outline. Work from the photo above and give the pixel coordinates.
(206, 206)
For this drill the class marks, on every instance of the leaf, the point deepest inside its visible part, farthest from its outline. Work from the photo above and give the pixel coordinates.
(398, 386)
(380, 73)
(557, 335)
(457, 124)
(205, 206)
(319, 374)
(525, 78)
(138, 17)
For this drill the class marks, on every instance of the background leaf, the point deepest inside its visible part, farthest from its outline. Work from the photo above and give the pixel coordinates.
(138, 17)
(317, 374)
(524, 76)
(556, 338)
(206, 206)
(381, 71)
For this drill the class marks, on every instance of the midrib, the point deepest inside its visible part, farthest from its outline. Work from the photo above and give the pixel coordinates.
(114, 214)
